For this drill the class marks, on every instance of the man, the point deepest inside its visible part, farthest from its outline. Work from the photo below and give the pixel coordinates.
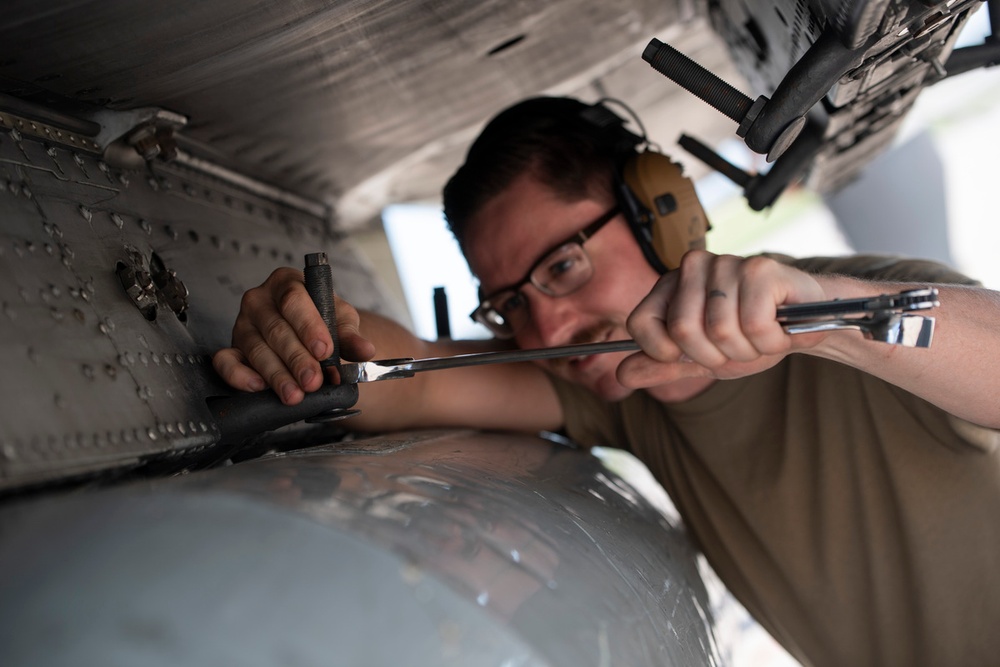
(846, 490)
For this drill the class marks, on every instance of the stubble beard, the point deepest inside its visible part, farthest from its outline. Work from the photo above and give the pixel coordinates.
(601, 378)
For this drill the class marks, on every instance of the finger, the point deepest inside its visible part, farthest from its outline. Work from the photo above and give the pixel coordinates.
(285, 320)
(685, 318)
(723, 306)
(231, 366)
(296, 307)
(273, 370)
(353, 345)
(640, 371)
(281, 339)
(758, 319)
(647, 326)
(765, 285)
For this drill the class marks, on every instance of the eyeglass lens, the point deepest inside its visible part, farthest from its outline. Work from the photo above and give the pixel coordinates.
(563, 271)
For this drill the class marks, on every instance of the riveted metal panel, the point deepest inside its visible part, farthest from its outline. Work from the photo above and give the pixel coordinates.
(91, 383)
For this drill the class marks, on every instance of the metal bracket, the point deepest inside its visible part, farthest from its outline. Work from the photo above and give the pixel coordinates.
(148, 283)
(149, 130)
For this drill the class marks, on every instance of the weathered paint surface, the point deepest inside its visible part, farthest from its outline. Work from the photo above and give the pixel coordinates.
(452, 548)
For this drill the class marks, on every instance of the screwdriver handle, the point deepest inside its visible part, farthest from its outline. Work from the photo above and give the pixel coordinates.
(319, 284)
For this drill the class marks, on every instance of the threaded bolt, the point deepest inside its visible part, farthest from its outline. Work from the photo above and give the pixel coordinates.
(694, 78)
(319, 284)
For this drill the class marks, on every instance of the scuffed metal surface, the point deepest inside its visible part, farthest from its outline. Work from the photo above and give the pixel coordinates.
(328, 111)
(514, 549)
(320, 95)
(92, 384)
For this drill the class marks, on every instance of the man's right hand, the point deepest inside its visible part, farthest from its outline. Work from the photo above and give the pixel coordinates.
(279, 339)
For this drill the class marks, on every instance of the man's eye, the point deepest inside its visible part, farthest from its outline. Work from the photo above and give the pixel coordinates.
(561, 266)
(512, 303)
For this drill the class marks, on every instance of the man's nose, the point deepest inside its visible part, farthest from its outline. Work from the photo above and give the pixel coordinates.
(553, 319)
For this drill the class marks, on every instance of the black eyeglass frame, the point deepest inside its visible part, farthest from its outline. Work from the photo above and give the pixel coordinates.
(579, 238)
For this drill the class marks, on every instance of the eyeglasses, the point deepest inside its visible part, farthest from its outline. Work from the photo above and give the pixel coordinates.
(563, 269)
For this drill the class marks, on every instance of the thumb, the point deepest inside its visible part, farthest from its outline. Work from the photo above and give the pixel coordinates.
(640, 371)
(353, 345)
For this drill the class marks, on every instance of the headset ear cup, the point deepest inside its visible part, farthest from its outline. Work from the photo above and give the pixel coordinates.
(639, 219)
(669, 219)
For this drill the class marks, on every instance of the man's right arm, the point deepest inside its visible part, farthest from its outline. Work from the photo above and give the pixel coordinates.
(279, 338)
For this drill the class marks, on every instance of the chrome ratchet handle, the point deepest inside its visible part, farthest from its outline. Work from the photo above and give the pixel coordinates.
(897, 328)
(884, 318)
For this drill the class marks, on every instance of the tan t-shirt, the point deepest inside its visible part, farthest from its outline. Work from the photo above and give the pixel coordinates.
(858, 523)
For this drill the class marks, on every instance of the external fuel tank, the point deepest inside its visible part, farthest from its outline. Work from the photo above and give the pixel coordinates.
(431, 548)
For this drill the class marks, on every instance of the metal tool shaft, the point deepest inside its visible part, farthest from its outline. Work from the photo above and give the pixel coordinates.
(399, 368)
(883, 318)
(480, 358)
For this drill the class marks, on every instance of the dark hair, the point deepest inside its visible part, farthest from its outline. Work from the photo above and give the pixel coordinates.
(549, 137)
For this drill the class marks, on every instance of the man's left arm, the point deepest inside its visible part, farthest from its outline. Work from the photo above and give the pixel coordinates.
(715, 317)
(959, 373)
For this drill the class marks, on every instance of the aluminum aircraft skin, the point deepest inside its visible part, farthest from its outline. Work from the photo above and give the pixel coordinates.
(157, 160)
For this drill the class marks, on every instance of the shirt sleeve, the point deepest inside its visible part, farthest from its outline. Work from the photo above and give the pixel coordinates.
(589, 420)
(879, 267)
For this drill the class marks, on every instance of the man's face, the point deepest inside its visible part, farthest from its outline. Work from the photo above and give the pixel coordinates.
(516, 228)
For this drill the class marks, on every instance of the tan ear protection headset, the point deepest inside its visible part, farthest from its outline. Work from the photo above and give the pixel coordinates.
(658, 200)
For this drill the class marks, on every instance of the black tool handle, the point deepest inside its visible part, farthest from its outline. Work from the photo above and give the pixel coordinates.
(319, 284)
(441, 313)
(244, 415)
(714, 160)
